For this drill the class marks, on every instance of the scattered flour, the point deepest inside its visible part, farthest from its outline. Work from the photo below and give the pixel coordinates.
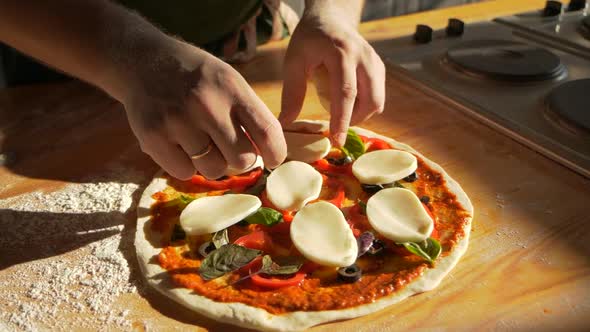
(65, 255)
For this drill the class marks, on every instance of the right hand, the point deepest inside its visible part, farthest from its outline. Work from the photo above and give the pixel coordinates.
(183, 98)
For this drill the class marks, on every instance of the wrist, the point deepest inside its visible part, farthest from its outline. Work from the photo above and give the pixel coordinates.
(158, 67)
(138, 55)
(344, 11)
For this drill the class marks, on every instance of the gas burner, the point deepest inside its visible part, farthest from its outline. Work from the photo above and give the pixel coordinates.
(505, 60)
(568, 105)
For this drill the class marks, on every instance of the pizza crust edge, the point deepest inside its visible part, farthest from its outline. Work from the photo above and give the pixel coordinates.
(251, 317)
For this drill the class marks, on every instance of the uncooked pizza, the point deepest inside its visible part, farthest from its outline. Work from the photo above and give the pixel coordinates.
(331, 234)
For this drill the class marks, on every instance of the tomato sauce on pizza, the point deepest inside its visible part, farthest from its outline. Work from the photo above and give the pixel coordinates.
(386, 268)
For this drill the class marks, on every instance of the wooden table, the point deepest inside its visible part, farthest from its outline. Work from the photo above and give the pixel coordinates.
(528, 263)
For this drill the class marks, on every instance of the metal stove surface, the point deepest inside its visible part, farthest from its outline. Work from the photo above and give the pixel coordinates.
(517, 108)
(566, 28)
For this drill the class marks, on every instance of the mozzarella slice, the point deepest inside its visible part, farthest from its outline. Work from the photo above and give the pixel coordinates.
(213, 213)
(307, 127)
(398, 214)
(234, 171)
(293, 184)
(307, 147)
(321, 234)
(384, 166)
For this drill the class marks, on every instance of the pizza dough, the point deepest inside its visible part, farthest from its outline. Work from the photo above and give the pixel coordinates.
(147, 246)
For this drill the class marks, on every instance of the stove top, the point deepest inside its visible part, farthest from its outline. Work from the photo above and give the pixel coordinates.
(530, 88)
(568, 106)
(504, 60)
(567, 27)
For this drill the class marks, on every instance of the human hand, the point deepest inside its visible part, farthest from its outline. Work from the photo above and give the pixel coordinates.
(182, 99)
(325, 37)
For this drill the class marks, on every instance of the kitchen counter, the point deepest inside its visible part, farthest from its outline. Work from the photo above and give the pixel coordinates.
(527, 265)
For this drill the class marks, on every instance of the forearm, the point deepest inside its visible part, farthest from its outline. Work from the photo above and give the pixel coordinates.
(93, 40)
(347, 9)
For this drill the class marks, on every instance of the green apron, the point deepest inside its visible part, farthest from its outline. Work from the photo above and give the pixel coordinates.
(205, 23)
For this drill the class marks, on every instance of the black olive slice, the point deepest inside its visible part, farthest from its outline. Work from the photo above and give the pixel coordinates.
(177, 233)
(340, 161)
(376, 247)
(206, 248)
(411, 178)
(350, 273)
(371, 188)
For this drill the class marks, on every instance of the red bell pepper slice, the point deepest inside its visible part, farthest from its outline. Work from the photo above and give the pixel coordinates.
(287, 216)
(373, 144)
(259, 240)
(271, 282)
(232, 182)
(323, 165)
(340, 195)
(274, 283)
(265, 281)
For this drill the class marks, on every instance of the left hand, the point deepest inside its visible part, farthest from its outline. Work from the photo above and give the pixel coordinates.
(356, 73)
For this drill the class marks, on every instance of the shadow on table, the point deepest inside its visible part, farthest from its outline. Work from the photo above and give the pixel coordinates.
(27, 236)
(65, 132)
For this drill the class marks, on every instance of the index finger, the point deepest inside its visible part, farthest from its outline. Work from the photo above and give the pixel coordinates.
(263, 128)
(294, 88)
(343, 91)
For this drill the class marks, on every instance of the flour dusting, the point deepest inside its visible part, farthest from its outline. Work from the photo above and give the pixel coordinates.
(82, 237)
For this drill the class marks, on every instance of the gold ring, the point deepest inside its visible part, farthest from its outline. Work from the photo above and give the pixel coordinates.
(203, 152)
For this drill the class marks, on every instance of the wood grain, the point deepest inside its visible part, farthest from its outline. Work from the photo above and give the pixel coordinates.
(527, 266)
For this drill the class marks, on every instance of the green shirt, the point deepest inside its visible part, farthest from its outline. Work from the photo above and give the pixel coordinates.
(200, 22)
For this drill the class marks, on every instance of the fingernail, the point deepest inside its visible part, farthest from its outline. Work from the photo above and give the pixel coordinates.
(339, 139)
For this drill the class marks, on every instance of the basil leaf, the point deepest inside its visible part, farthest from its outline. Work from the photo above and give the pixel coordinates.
(259, 186)
(265, 216)
(220, 238)
(228, 258)
(177, 233)
(363, 207)
(354, 146)
(433, 248)
(430, 249)
(396, 184)
(270, 267)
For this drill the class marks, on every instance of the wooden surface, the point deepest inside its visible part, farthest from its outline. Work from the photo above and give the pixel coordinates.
(527, 266)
